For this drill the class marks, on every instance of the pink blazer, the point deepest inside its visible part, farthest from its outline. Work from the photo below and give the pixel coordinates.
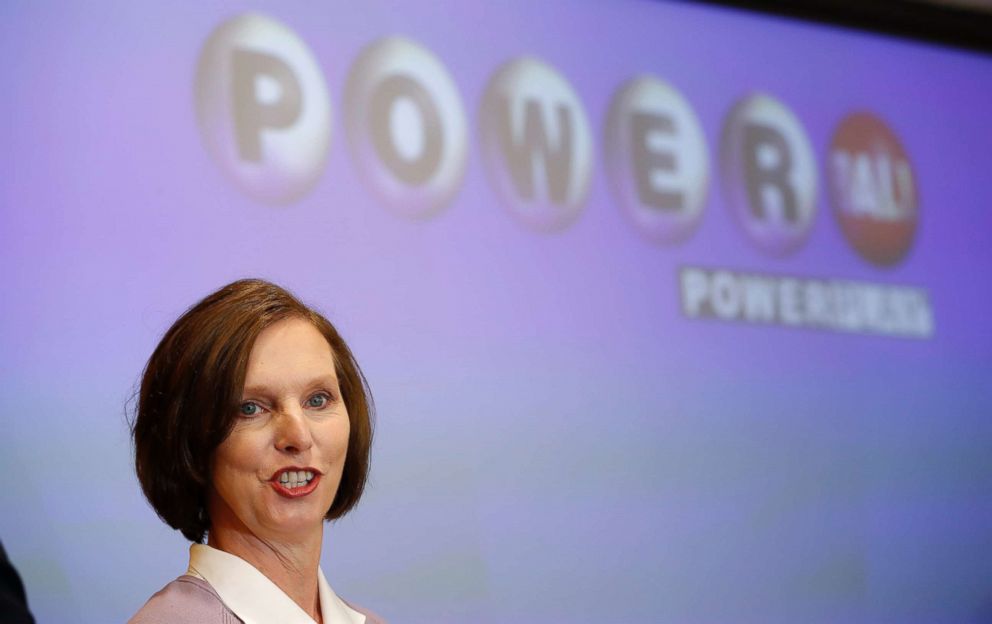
(191, 600)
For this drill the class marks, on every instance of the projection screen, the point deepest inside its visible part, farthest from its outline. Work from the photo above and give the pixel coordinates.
(671, 313)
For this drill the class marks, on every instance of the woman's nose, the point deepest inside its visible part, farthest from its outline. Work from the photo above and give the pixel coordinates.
(292, 431)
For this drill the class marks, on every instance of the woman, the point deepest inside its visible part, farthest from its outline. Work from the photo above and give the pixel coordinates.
(253, 427)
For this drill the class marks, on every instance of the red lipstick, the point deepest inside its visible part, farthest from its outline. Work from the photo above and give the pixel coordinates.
(282, 489)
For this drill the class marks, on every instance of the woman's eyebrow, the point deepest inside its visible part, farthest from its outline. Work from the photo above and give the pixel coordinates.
(330, 381)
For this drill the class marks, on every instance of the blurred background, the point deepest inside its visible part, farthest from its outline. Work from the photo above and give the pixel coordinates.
(672, 311)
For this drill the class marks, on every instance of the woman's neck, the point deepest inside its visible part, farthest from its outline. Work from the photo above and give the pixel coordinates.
(291, 564)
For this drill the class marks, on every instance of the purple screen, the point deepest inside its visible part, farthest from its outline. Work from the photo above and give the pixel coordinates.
(671, 313)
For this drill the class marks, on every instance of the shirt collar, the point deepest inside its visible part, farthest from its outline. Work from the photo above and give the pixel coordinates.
(257, 600)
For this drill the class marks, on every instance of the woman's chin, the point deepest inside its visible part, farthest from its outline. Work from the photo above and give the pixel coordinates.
(296, 524)
(297, 516)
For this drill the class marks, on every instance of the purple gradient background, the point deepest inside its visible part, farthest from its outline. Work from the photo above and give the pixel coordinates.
(555, 442)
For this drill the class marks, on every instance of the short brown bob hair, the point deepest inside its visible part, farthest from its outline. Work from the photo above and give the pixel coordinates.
(191, 387)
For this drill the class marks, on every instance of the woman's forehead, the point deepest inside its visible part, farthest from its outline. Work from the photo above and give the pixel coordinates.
(290, 350)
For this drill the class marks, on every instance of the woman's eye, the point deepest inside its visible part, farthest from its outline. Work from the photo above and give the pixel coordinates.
(249, 409)
(317, 401)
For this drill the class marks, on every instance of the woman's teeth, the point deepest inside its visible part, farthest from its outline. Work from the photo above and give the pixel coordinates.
(295, 478)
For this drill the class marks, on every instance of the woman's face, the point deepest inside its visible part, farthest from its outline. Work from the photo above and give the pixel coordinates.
(277, 472)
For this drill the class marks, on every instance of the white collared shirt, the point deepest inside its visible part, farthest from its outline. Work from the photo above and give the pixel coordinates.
(257, 600)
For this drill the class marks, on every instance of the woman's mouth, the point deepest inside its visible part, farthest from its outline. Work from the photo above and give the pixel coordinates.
(295, 482)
